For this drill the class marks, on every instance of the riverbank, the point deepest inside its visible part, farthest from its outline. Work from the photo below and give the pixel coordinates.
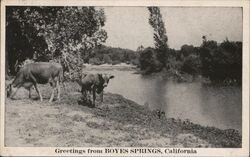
(105, 67)
(115, 122)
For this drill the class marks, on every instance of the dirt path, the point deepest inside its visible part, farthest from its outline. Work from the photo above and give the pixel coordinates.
(115, 122)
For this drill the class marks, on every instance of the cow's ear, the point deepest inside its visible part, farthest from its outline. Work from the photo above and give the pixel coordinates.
(112, 76)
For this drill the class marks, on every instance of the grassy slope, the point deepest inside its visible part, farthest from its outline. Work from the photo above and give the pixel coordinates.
(115, 122)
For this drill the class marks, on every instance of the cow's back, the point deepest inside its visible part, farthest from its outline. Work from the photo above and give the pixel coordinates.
(89, 80)
(42, 71)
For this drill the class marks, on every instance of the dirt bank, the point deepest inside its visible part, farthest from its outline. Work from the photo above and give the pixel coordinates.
(115, 122)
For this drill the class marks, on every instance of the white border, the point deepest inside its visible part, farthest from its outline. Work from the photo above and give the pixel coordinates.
(50, 151)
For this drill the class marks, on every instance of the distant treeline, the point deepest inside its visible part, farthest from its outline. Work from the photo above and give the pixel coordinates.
(109, 55)
(221, 63)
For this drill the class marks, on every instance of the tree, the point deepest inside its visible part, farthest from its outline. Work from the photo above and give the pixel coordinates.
(191, 65)
(107, 59)
(22, 37)
(222, 62)
(148, 61)
(140, 48)
(80, 31)
(160, 37)
(186, 50)
(63, 34)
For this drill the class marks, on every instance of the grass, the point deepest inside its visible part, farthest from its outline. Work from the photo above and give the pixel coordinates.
(116, 122)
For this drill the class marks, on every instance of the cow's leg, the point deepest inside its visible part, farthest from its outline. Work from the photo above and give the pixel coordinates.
(35, 85)
(83, 93)
(52, 95)
(94, 96)
(88, 96)
(53, 91)
(29, 92)
(101, 96)
(58, 90)
(37, 90)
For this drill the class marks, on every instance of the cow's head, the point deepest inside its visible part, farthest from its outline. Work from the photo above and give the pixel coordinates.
(104, 80)
(11, 90)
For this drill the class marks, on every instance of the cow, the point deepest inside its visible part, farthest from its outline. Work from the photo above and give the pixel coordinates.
(32, 74)
(94, 83)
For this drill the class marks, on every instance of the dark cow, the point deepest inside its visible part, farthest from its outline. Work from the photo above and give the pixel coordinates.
(37, 73)
(94, 83)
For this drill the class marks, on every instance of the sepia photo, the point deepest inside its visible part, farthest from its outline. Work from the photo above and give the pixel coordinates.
(123, 80)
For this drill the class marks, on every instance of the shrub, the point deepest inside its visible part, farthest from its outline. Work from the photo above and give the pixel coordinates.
(95, 61)
(116, 62)
(222, 62)
(149, 62)
(107, 59)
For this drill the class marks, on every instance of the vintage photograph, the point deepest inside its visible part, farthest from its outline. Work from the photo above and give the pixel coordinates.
(122, 76)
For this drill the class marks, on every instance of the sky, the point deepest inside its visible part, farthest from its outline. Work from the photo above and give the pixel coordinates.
(128, 27)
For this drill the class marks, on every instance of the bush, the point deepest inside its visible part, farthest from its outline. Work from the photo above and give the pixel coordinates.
(95, 61)
(116, 62)
(191, 65)
(222, 62)
(135, 62)
(107, 59)
(116, 55)
(149, 62)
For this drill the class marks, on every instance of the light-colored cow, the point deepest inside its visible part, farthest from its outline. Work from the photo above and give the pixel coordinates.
(37, 73)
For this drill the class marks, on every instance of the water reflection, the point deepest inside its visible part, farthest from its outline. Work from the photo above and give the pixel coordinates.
(210, 106)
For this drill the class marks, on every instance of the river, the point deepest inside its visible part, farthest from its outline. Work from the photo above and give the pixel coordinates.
(220, 107)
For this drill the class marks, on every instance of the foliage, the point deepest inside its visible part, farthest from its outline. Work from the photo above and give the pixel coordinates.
(160, 37)
(140, 48)
(22, 38)
(148, 61)
(107, 59)
(112, 55)
(63, 34)
(191, 65)
(218, 62)
(222, 62)
(189, 56)
(95, 61)
(174, 61)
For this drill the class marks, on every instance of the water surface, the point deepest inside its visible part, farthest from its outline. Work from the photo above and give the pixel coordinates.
(206, 105)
